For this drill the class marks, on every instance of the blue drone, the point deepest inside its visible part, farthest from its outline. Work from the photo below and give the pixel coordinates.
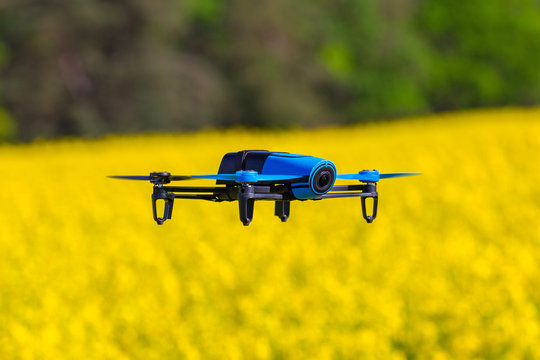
(249, 175)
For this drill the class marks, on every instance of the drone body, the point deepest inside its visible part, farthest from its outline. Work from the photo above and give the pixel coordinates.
(249, 175)
(312, 176)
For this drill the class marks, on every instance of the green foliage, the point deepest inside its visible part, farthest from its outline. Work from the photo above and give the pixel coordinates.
(7, 126)
(483, 53)
(92, 67)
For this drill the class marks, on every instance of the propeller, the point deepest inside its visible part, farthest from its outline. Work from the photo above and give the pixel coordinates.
(397, 174)
(150, 178)
(373, 175)
(247, 176)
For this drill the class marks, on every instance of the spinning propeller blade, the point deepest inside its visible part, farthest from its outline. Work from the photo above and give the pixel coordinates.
(225, 177)
(148, 178)
(248, 176)
(130, 177)
(400, 174)
(373, 175)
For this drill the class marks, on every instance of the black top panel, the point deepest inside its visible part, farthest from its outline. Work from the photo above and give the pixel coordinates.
(254, 160)
(227, 165)
(242, 160)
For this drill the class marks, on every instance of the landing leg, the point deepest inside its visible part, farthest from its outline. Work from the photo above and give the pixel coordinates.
(370, 188)
(283, 209)
(246, 203)
(168, 198)
(370, 218)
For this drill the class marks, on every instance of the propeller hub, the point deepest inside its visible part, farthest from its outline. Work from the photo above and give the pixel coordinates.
(160, 177)
(369, 175)
(247, 176)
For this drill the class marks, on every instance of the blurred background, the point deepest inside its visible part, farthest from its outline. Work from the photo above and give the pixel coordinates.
(450, 269)
(85, 68)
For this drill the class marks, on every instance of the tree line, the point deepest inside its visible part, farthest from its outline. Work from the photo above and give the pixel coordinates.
(90, 67)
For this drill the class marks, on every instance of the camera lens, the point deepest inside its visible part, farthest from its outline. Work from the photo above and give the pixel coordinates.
(323, 179)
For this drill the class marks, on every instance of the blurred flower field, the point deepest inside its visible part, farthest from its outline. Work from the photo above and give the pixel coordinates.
(448, 270)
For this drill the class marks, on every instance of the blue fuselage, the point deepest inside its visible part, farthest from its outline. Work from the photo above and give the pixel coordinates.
(316, 175)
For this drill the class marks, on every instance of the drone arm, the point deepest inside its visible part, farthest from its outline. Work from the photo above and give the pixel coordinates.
(225, 193)
(364, 191)
(208, 197)
(195, 189)
(198, 192)
(344, 195)
(169, 193)
(362, 187)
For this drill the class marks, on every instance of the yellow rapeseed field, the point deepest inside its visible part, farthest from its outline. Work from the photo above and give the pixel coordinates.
(450, 269)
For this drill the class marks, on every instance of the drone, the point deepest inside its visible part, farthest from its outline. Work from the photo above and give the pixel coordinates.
(249, 175)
